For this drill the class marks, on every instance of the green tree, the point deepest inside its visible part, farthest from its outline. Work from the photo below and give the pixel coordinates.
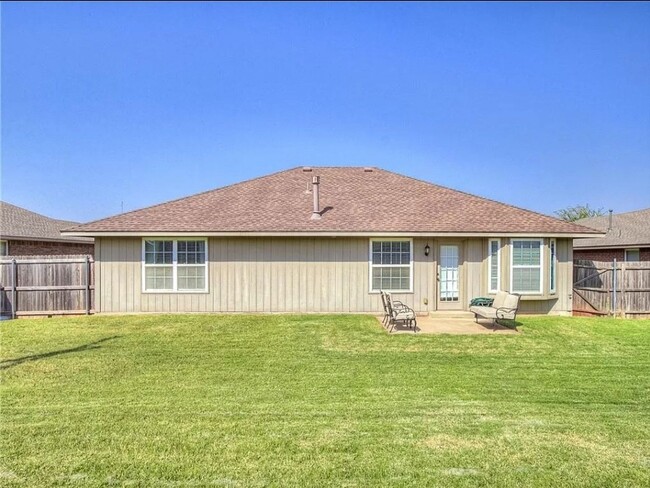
(571, 214)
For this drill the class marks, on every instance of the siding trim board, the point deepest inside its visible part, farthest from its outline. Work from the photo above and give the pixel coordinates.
(308, 274)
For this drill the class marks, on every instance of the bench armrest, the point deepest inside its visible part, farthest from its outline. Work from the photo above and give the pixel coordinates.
(504, 310)
(402, 308)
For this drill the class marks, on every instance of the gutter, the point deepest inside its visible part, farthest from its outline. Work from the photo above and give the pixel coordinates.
(332, 234)
(84, 239)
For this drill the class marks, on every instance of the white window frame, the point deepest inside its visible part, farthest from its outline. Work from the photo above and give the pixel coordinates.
(489, 273)
(174, 264)
(541, 265)
(371, 265)
(552, 266)
(632, 249)
(6, 243)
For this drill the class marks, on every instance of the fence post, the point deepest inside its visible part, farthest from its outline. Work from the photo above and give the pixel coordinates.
(14, 285)
(622, 298)
(614, 276)
(87, 285)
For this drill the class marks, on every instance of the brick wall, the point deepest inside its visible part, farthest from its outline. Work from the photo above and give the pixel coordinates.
(43, 248)
(607, 254)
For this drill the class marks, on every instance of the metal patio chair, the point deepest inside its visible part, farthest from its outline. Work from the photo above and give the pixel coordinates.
(400, 313)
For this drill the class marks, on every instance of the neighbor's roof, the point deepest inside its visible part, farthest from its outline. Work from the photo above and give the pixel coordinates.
(353, 200)
(628, 229)
(19, 223)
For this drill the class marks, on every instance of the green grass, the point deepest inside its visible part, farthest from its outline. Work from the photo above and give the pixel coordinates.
(322, 401)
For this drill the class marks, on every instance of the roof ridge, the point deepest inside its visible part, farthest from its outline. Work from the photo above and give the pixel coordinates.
(620, 214)
(23, 209)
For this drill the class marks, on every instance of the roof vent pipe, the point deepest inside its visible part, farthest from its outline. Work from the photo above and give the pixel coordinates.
(609, 227)
(315, 183)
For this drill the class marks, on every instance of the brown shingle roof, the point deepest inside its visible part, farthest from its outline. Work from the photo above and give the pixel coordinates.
(353, 199)
(20, 223)
(628, 229)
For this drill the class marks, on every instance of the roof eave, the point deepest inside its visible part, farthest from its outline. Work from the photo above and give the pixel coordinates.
(626, 245)
(83, 239)
(97, 234)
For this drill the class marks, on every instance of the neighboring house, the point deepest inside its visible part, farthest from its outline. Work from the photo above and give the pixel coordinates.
(281, 243)
(25, 233)
(627, 237)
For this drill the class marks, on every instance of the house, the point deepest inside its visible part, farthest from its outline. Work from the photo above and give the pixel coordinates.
(327, 239)
(26, 233)
(627, 237)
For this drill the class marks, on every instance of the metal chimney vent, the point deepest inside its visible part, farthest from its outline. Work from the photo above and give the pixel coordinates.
(315, 183)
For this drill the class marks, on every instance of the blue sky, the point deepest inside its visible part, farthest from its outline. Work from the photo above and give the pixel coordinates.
(538, 105)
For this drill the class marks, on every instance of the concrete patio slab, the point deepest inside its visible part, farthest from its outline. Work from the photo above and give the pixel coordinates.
(447, 325)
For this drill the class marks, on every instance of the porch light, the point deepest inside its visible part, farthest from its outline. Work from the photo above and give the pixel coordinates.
(427, 250)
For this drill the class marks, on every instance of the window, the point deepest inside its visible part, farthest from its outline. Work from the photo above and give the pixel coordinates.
(526, 266)
(4, 248)
(552, 245)
(391, 266)
(174, 265)
(494, 262)
(449, 272)
(632, 255)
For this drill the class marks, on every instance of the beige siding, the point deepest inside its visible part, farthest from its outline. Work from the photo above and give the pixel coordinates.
(475, 281)
(305, 275)
(261, 275)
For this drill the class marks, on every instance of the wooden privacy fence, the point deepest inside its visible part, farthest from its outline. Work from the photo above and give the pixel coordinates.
(611, 288)
(47, 285)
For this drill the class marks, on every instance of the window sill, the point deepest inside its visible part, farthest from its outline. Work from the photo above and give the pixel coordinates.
(175, 292)
(538, 296)
(393, 292)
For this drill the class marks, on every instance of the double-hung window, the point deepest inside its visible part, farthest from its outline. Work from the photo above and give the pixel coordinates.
(494, 265)
(391, 265)
(171, 265)
(4, 248)
(526, 266)
(632, 255)
(552, 268)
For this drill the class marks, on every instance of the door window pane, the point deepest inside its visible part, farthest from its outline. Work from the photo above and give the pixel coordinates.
(449, 259)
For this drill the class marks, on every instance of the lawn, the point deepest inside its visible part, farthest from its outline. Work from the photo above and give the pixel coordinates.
(282, 400)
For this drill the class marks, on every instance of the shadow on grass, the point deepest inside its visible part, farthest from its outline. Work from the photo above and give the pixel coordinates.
(503, 324)
(10, 363)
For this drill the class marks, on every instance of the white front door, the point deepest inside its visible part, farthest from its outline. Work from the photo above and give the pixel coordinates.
(449, 277)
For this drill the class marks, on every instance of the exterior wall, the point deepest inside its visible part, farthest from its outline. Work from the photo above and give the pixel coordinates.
(306, 275)
(558, 303)
(261, 275)
(608, 254)
(46, 248)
